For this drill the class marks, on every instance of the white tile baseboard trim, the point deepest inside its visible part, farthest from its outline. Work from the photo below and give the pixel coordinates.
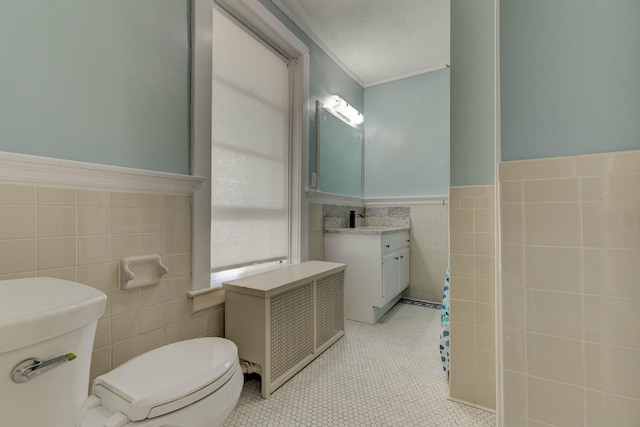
(36, 170)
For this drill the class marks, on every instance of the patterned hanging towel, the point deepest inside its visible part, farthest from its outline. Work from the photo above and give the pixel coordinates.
(444, 320)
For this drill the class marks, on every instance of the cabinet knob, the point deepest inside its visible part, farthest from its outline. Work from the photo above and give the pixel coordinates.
(387, 246)
(396, 258)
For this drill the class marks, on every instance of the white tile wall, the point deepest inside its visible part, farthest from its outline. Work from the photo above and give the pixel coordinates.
(429, 252)
(570, 294)
(81, 235)
(316, 232)
(472, 312)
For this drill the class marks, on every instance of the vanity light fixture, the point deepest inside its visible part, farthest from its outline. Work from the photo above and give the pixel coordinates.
(346, 110)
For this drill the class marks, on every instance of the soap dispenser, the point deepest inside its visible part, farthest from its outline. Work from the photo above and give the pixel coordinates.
(352, 219)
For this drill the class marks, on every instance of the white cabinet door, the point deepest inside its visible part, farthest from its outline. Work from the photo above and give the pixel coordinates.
(403, 269)
(389, 277)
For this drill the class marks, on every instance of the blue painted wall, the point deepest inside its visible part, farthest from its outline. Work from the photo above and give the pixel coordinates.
(326, 78)
(108, 83)
(98, 81)
(407, 136)
(570, 77)
(472, 92)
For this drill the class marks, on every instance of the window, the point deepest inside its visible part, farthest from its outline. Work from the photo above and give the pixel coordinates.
(250, 151)
(250, 210)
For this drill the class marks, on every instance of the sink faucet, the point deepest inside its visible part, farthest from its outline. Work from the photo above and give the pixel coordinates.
(352, 218)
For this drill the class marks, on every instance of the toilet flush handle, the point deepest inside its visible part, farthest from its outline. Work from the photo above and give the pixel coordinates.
(31, 368)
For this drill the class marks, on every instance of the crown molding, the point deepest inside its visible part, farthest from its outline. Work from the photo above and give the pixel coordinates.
(407, 75)
(283, 7)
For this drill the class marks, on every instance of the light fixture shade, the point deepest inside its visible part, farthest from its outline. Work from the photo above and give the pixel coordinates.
(347, 111)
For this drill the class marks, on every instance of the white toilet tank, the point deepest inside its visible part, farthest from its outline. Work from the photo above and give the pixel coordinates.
(49, 320)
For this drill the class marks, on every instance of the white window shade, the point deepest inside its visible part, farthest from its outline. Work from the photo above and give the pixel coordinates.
(250, 150)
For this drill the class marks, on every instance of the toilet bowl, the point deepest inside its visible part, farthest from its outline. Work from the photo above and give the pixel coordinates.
(189, 383)
(47, 328)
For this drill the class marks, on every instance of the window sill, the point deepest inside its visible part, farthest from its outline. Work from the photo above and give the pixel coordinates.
(206, 298)
(214, 295)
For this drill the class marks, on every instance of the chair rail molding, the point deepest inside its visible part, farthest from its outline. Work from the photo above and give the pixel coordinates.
(23, 169)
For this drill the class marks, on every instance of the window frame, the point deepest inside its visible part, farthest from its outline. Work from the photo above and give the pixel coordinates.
(266, 26)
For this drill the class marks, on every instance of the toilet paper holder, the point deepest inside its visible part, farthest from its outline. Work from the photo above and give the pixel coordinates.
(141, 271)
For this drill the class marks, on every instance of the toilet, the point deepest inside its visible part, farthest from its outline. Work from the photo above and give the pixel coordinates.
(47, 328)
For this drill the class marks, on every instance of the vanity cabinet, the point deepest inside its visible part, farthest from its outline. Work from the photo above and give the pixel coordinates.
(395, 266)
(377, 268)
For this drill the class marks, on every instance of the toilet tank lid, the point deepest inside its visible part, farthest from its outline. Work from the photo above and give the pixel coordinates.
(168, 378)
(39, 308)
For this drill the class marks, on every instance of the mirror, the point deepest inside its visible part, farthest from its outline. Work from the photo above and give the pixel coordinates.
(340, 152)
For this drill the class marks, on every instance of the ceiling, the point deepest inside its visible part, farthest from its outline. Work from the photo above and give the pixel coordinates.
(376, 41)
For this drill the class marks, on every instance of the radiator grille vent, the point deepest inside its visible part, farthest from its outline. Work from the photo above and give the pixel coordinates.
(330, 308)
(291, 328)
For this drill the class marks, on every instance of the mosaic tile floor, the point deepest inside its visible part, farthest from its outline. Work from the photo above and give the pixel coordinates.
(387, 374)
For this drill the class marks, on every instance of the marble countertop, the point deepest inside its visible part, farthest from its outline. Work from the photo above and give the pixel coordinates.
(366, 230)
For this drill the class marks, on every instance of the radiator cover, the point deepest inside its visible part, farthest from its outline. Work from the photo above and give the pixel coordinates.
(282, 320)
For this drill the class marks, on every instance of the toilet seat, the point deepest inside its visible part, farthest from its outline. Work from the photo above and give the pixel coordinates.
(167, 379)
